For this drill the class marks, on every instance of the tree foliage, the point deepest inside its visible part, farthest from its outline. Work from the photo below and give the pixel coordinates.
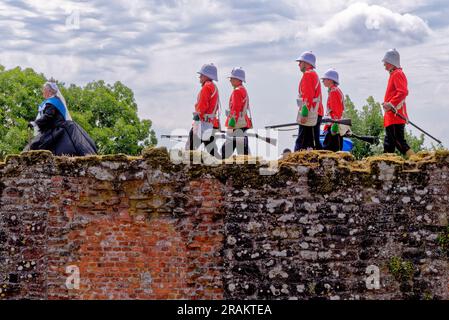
(369, 122)
(107, 112)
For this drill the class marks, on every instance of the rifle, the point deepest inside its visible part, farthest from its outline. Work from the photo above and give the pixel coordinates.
(223, 134)
(395, 111)
(346, 122)
(169, 136)
(367, 139)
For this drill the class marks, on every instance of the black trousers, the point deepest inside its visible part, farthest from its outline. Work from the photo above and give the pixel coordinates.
(309, 137)
(317, 133)
(395, 139)
(333, 142)
(194, 143)
(234, 142)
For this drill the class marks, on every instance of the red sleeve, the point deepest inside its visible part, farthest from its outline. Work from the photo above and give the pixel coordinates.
(202, 105)
(400, 84)
(335, 105)
(237, 103)
(308, 85)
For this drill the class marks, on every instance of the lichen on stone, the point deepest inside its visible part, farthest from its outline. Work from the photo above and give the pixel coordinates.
(442, 156)
(443, 241)
(30, 157)
(400, 269)
(249, 176)
(159, 158)
(312, 158)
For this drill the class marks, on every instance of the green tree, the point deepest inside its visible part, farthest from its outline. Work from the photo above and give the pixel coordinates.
(369, 122)
(107, 112)
(20, 94)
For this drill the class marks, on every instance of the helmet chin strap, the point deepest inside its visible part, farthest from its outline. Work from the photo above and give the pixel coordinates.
(393, 68)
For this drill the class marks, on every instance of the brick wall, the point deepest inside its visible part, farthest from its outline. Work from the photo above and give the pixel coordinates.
(146, 228)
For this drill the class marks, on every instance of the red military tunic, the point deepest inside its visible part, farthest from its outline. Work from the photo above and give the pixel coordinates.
(237, 101)
(396, 93)
(207, 103)
(310, 90)
(335, 104)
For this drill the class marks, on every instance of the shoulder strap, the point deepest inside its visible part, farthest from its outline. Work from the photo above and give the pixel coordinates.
(217, 106)
(246, 107)
(317, 100)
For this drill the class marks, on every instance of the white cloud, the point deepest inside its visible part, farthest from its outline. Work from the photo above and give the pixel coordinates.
(361, 23)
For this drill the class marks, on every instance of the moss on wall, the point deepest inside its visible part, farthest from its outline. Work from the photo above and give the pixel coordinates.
(326, 170)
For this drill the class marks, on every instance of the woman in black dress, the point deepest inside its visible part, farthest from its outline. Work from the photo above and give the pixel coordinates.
(54, 129)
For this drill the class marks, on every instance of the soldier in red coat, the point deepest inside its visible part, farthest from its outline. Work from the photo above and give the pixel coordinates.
(333, 141)
(238, 116)
(206, 120)
(310, 105)
(395, 96)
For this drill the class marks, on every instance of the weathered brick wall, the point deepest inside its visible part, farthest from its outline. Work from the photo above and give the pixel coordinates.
(134, 229)
(145, 228)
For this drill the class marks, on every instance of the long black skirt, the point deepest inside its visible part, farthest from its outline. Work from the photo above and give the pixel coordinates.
(68, 139)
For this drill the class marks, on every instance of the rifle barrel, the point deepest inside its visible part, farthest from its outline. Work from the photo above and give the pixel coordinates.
(282, 125)
(426, 133)
(346, 122)
(408, 121)
(167, 136)
(367, 139)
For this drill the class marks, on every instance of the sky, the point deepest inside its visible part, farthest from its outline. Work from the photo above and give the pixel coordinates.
(155, 47)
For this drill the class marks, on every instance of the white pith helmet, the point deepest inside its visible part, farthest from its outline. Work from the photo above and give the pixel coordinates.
(238, 73)
(210, 71)
(308, 57)
(331, 74)
(392, 57)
